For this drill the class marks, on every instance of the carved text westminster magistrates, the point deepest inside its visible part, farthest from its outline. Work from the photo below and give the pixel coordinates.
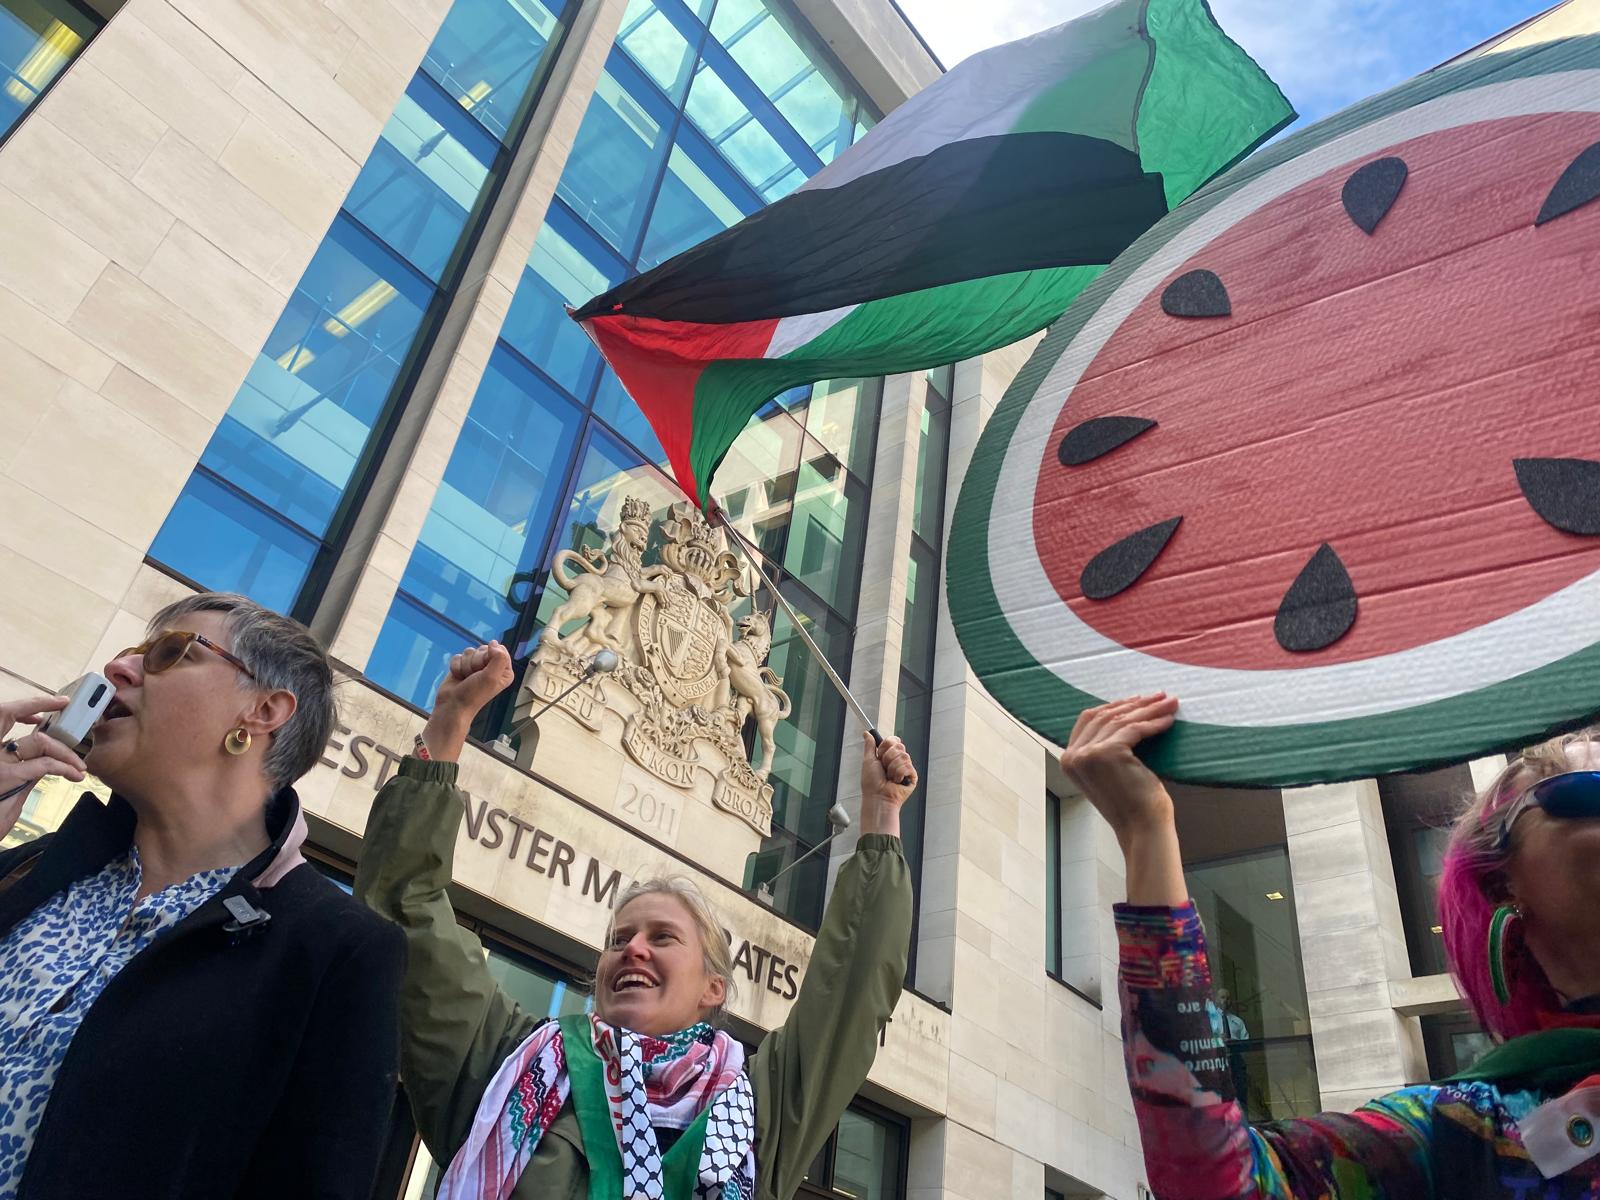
(542, 851)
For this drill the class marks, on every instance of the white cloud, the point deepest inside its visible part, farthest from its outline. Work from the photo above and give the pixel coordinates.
(1325, 54)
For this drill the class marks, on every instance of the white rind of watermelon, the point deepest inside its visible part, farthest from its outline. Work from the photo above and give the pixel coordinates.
(1241, 725)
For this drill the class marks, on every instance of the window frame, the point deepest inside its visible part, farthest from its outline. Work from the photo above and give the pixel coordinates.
(830, 1150)
(99, 22)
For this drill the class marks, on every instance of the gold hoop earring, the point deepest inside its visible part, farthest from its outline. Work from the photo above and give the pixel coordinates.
(237, 742)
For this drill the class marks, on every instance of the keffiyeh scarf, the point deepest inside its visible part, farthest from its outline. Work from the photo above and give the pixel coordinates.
(630, 1085)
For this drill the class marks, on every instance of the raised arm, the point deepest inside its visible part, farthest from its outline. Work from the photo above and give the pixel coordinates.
(807, 1071)
(1197, 1144)
(456, 1025)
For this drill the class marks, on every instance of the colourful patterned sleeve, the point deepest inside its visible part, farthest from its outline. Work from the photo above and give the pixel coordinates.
(1197, 1144)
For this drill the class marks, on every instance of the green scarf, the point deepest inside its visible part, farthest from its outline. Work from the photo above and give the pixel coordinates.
(680, 1166)
(1551, 1060)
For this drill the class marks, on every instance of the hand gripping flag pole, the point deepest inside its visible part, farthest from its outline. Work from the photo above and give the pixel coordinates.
(754, 555)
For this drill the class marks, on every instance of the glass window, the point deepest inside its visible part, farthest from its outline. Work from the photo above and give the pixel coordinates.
(758, 477)
(842, 414)
(301, 421)
(1453, 1042)
(422, 179)
(1417, 812)
(642, 184)
(1052, 884)
(223, 542)
(927, 515)
(567, 267)
(659, 47)
(38, 40)
(616, 408)
(485, 530)
(1237, 867)
(413, 651)
(536, 988)
(699, 198)
(327, 381)
(863, 1159)
(867, 1162)
(617, 155)
(826, 533)
(806, 768)
(922, 611)
(486, 54)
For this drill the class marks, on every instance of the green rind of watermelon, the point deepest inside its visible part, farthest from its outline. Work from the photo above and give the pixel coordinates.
(1501, 716)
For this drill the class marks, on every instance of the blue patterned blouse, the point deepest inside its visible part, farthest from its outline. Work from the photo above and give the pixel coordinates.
(53, 967)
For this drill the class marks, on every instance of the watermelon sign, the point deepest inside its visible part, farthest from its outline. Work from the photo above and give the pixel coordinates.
(1320, 453)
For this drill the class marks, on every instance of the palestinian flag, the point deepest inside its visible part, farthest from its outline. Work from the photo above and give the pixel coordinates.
(966, 220)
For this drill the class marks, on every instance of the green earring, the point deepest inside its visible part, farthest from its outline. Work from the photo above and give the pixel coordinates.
(1499, 973)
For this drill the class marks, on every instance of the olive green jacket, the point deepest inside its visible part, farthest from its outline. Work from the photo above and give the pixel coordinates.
(457, 1026)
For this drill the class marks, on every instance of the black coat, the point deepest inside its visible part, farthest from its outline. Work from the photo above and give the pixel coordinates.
(247, 1062)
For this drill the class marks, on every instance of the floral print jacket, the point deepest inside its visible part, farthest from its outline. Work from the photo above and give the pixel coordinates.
(1450, 1141)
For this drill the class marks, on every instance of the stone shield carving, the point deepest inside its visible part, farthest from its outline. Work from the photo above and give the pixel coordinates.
(680, 635)
(689, 677)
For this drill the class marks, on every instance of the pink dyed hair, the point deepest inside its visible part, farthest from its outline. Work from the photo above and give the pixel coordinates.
(1473, 884)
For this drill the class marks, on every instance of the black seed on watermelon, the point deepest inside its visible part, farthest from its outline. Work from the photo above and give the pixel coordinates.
(1089, 440)
(1371, 191)
(1319, 607)
(1579, 184)
(1118, 567)
(1564, 491)
(1196, 294)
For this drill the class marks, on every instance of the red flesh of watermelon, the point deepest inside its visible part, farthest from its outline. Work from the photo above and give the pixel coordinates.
(1384, 383)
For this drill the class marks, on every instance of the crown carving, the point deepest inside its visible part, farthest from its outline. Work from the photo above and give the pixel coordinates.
(696, 549)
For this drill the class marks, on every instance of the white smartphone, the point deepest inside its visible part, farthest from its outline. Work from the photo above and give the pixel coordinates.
(87, 699)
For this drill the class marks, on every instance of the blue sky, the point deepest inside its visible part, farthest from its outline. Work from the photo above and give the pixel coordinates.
(1325, 54)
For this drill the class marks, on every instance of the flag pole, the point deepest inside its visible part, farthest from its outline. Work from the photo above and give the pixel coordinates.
(855, 706)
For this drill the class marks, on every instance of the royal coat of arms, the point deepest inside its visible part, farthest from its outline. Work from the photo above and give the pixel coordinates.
(690, 677)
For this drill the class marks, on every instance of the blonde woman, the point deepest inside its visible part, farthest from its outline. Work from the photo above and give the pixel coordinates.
(646, 1098)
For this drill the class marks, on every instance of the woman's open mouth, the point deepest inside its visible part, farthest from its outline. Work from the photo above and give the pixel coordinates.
(633, 980)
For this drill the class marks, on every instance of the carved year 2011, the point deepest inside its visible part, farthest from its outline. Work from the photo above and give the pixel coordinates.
(649, 810)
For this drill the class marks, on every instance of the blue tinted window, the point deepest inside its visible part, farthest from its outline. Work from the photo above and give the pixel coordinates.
(488, 520)
(662, 44)
(313, 396)
(38, 39)
(326, 381)
(616, 408)
(699, 198)
(224, 542)
(413, 651)
(619, 147)
(567, 267)
(486, 55)
(422, 179)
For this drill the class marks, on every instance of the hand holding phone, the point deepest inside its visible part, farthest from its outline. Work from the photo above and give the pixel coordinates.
(26, 760)
(87, 699)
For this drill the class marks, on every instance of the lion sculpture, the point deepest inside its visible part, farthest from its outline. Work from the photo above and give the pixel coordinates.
(611, 583)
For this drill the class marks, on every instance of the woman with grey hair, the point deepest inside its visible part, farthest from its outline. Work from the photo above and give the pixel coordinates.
(645, 1099)
(188, 1008)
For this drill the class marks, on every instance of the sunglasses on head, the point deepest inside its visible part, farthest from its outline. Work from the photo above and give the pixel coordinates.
(1572, 795)
(166, 650)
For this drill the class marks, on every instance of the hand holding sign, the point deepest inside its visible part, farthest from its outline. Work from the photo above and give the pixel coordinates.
(1100, 760)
